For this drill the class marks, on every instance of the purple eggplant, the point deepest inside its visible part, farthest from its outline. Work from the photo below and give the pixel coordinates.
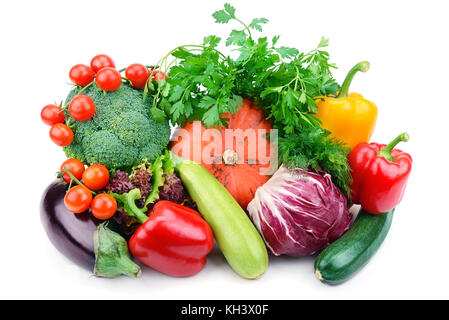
(72, 234)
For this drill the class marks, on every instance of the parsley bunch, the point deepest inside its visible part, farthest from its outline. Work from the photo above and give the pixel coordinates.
(205, 84)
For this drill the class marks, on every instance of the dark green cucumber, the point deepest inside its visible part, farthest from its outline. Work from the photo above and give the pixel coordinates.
(352, 251)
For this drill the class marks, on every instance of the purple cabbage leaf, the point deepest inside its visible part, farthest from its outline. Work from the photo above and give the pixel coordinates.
(299, 212)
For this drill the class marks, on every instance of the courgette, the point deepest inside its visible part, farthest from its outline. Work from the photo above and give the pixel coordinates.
(239, 241)
(352, 251)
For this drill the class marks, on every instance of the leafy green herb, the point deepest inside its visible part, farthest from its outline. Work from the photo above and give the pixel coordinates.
(200, 85)
(314, 149)
(205, 84)
(293, 88)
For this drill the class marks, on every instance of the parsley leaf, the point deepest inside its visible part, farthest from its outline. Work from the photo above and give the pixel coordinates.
(286, 52)
(230, 9)
(256, 23)
(236, 38)
(224, 16)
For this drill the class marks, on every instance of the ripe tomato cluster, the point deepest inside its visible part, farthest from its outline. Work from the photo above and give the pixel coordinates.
(102, 70)
(80, 198)
(82, 108)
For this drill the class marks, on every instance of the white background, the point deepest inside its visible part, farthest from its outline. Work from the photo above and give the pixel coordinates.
(406, 43)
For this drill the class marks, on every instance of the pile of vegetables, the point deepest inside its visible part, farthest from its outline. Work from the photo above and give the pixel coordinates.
(127, 196)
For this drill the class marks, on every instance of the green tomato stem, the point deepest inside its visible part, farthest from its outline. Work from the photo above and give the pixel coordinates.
(73, 178)
(386, 152)
(361, 66)
(84, 88)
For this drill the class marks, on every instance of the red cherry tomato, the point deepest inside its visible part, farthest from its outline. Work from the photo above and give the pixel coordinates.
(82, 107)
(52, 114)
(108, 79)
(96, 177)
(78, 199)
(100, 61)
(61, 135)
(138, 74)
(75, 167)
(158, 75)
(103, 206)
(81, 75)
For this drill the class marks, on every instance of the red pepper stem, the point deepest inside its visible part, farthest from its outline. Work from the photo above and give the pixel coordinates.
(141, 217)
(386, 152)
(128, 199)
(361, 66)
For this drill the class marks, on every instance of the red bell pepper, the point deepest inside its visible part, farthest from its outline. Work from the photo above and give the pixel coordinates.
(174, 240)
(379, 174)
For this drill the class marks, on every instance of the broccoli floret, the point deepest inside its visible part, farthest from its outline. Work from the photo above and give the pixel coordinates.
(106, 148)
(122, 132)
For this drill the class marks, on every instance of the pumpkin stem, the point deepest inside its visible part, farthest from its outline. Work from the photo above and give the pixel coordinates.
(230, 157)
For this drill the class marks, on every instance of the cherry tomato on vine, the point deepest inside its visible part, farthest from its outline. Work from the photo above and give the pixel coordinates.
(138, 74)
(78, 199)
(52, 114)
(158, 75)
(108, 79)
(101, 61)
(103, 206)
(96, 177)
(81, 75)
(75, 167)
(61, 134)
(82, 107)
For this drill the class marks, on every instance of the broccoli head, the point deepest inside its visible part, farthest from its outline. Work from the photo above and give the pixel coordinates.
(121, 133)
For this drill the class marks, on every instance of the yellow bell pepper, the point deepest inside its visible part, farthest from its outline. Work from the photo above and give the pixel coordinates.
(349, 117)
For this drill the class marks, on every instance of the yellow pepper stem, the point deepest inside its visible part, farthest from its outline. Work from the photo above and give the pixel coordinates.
(361, 66)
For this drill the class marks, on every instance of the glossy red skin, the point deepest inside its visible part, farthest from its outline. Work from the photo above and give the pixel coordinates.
(95, 177)
(78, 199)
(52, 114)
(101, 61)
(138, 74)
(378, 184)
(81, 75)
(61, 134)
(82, 107)
(108, 79)
(158, 75)
(75, 167)
(103, 206)
(175, 240)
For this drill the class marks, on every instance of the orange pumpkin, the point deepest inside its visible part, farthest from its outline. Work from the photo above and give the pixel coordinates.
(238, 156)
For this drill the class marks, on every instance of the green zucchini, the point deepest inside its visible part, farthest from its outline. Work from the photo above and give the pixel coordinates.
(240, 242)
(352, 251)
